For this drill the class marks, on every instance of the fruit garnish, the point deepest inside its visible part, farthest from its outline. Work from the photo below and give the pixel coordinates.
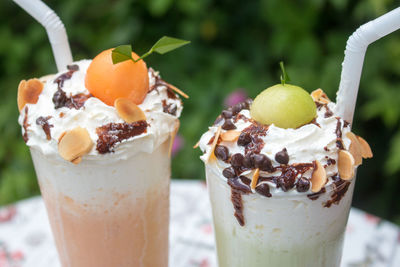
(108, 81)
(284, 105)
(120, 73)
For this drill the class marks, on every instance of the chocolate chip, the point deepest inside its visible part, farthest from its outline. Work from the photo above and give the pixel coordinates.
(263, 189)
(59, 99)
(237, 160)
(221, 152)
(227, 114)
(302, 185)
(244, 139)
(228, 125)
(262, 162)
(248, 162)
(229, 172)
(282, 157)
(73, 67)
(248, 102)
(237, 108)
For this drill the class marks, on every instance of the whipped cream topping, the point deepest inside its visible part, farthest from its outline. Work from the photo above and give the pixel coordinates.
(314, 141)
(94, 113)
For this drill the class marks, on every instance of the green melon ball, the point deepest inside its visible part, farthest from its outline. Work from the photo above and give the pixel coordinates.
(285, 106)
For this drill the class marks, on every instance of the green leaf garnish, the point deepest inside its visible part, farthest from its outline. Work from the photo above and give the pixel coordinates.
(164, 45)
(284, 77)
(121, 53)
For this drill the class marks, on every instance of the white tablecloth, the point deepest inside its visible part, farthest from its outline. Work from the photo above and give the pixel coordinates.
(26, 240)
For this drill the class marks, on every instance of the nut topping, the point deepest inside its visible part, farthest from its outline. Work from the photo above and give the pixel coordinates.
(74, 144)
(345, 165)
(318, 177)
(128, 110)
(366, 151)
(177, 90)
(254, 180)
(214, 144)
(230, 136)
(355, 148)
(28, 92)
(319, 96)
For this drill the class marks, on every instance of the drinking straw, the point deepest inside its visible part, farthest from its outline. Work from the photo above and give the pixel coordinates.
(54, 27)
(354, 57)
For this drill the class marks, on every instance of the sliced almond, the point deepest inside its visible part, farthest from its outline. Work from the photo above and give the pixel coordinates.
(28, 92)
(214, 144)
(177, 90)
(196, 145)
(254, 180)
(355, 148)
(128, 111)
(366, 151)
(77, 160)
(74, 144)
(318, 177)
(230, 136)
(345, 165)
(320, 96)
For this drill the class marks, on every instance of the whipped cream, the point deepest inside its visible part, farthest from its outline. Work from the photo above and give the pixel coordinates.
(308, 143)
(94, 113)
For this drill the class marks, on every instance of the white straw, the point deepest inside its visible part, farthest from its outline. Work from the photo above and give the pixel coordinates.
(354, 57)
(54, 27)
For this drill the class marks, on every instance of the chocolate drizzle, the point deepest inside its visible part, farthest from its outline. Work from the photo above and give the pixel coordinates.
(160, 82)
(255, 131)
(338, 132)
(25, 126)
(340, 188)
(60, 98)
(169, 108)
(239, 185)
(112, 133)
(43, 121)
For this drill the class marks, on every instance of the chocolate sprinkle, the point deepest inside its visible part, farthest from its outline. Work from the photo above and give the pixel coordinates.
(112, 133)
(282, 157)
(221, 152)
(338, 132)
(169, 108)
(25, 126)
(228, 125)
(263, 189)
(43, 121)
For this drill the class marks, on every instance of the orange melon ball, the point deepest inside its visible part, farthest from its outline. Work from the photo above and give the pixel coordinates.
(126, 79)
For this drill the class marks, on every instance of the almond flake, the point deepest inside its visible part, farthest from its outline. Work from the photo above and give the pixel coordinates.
(128, 111)
(77, 160)
(177, 90)
(214, 144)
(366, 151)
(196, 145)
(74, 144)
(345, 165)
(318, 177)
(320, 96)
(28, 92)
(355, 148)
(254, 180)
(230, 136)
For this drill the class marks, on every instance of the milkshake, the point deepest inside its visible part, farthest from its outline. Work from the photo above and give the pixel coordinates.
(280, 174)
(100, 141)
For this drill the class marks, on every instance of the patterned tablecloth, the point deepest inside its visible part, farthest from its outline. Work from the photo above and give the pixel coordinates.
(26, 240)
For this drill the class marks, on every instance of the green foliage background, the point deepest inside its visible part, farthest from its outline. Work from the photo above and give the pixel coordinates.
(235, 44)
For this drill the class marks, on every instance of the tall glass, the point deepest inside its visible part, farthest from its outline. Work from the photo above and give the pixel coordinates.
(106, 212)
(283, 230)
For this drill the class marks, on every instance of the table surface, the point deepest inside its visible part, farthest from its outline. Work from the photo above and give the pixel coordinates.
(26, 240)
